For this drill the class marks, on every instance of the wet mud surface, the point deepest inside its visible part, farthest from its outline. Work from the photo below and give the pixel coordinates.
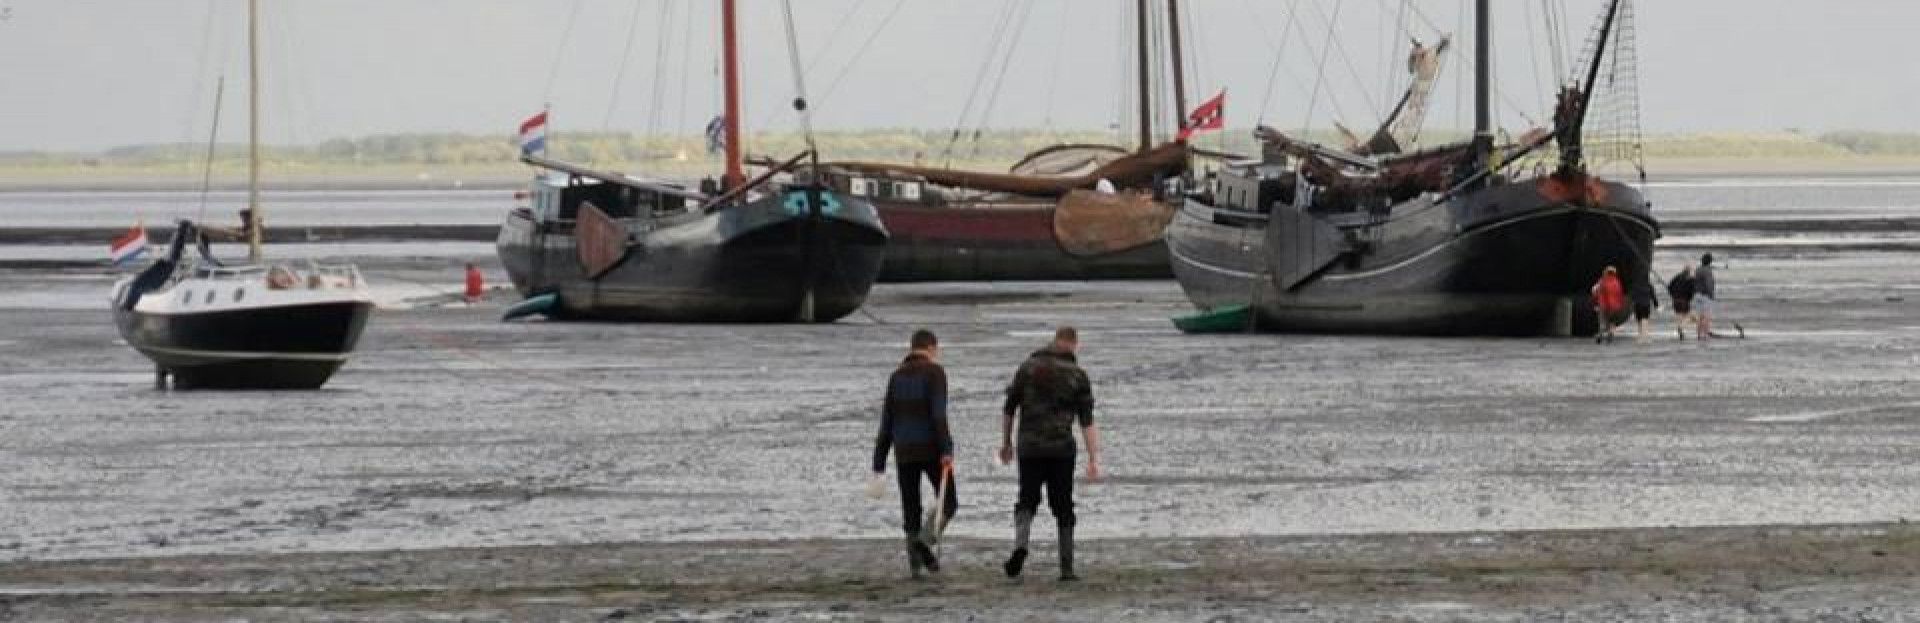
(684, 458)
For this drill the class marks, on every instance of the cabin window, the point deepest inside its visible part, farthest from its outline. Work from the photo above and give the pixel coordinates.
(859, 187)
(209, 297)
(186, 298)
(239, 293)
(907, 190)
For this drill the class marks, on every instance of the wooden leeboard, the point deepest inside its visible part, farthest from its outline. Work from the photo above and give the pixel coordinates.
(1089, 223)
(600, 241)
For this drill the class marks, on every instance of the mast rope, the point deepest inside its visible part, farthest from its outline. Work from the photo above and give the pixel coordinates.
(661, 52)
(1321, 76)
(560, 54)
(799, 79)
(979, 78)
(1278, 45)
(1000, 79)
(861, 52)
(619, 75)
(1340, 51)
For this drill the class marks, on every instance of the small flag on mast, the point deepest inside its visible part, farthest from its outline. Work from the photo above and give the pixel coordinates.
(533, 135)
(129, 246)
(1209, 115)
(717, 134)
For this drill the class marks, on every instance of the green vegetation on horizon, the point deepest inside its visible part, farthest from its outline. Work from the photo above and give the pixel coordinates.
(686, 155)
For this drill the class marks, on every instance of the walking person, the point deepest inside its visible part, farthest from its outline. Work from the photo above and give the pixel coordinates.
(1644, 302)
(1609, 302)
(1680, 291)
(1703, 297)
(913, 422)
(1048, 395)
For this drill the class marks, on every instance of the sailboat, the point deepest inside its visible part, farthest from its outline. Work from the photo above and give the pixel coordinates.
(1448, 240)
(209, 324)
(604, 245)
(1049, 217)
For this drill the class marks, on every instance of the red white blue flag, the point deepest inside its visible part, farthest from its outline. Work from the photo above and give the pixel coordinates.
(129, 246)
(533, 135)
(1209, 115)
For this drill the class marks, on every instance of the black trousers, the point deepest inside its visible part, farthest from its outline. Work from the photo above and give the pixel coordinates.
(910, 494)
(1056, 475)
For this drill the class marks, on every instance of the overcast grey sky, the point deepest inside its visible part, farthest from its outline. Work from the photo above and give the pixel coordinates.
(84, 74)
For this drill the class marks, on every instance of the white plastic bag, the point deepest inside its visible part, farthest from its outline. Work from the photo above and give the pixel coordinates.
(877, 486)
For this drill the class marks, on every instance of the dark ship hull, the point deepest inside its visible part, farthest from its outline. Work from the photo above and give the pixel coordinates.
(752, 262)
(1003, 242)
(297, 346)
(1514, 259)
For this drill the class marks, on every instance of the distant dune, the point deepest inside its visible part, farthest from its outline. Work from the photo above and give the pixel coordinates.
(441, 161)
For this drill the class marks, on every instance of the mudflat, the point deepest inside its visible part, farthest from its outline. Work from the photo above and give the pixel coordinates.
(461, 467)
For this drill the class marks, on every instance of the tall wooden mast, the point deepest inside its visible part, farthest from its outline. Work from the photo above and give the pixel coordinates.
(253, 131)
(730, 59)
(1146, 72)
(1179, 70)
(1482, 80)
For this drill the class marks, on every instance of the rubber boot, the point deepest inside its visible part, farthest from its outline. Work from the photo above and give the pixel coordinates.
(1022, 530)
(1066, 555)
(914, 563)
(917, 544)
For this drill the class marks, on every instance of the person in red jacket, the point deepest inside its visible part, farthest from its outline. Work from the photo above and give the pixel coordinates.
(1609, 302)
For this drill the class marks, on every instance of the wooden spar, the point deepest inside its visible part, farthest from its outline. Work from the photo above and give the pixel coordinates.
(734, 176)
(253, 131)
(1482, 82)
(1146, 93)
(1179, 71)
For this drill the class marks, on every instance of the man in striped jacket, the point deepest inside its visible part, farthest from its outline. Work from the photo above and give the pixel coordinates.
(913, 422)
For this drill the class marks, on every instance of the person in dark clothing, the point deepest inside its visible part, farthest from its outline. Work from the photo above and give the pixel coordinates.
(1680, 291)
(1048, 395)
(913, 423)
(1703, 297)
(1644, 302)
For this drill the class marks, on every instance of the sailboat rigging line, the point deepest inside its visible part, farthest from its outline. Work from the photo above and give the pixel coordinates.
(820, 53)
(1053, 73)
(213, 134)
(1374, 105)
(1533, 56)
(566, 35)
(1279, 52)
(1321, 76)
(979, 78)
(1556, 39)
(619, 75)
(872, 34)
(686, 61)
(662, 37)
(799, 79)
(1000, 79)
(200, 74)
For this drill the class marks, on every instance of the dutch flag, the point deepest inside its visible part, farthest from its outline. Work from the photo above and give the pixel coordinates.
(129, 246)
(533, 135)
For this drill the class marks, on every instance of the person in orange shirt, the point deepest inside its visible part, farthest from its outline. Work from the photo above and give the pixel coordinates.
(1609, 302)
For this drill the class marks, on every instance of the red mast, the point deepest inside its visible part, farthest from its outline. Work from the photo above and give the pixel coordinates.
(731, 60)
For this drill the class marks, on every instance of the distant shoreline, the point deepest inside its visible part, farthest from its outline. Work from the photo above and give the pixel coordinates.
(510, 177)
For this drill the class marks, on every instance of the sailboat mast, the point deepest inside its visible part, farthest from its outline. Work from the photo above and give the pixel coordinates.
(1146, 89)
(1570, 151)
(253, 131)
(730, 58)
(1482, 82)
(1179, 70)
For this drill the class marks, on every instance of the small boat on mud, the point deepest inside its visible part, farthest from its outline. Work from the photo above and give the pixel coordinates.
(609, 246)
(211, 325)
(1443, 241)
